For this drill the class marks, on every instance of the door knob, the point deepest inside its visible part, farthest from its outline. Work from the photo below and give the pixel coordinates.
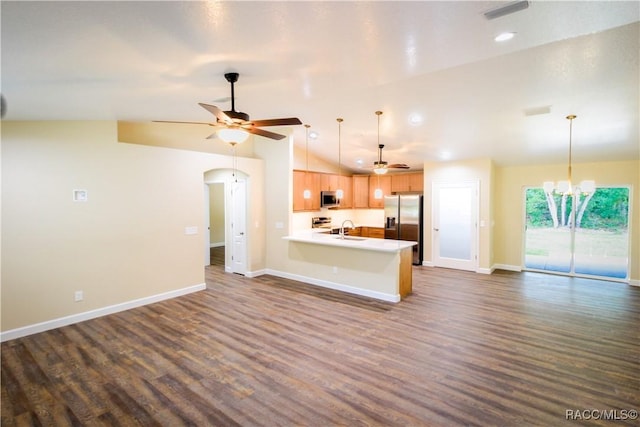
(436, 229)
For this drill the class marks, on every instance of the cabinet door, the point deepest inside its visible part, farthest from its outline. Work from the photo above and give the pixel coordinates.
(416, 181)
(298, 190)
(312, 182)
(346, 184)
(376, 232)
(328, 182)
(400, 183)
(361, 191)
(384, 183)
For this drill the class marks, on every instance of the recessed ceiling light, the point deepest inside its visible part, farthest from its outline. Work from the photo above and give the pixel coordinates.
(415, 119)
(313, 134)
(504, 37)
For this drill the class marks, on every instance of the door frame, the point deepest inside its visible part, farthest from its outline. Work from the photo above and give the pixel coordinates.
(227, 178)
(458, 264)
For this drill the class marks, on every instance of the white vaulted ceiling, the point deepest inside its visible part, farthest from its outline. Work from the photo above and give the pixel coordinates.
(322, 60)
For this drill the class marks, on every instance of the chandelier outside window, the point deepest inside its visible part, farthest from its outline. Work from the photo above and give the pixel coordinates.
(307, 193)
(339, 191)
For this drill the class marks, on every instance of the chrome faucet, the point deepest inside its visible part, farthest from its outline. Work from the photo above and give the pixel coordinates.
(342, 227)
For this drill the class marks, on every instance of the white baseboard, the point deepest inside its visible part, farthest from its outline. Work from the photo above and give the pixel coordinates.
(336, 286)
(216, 244)
(92, 314)
(484, 270)
(506, 267)
(252, 274)
(634, 282)
(427, 264)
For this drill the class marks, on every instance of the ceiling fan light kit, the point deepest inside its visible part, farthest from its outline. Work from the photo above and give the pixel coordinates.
(234, 127)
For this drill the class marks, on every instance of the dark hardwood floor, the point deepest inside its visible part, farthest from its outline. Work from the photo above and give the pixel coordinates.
(509, 349)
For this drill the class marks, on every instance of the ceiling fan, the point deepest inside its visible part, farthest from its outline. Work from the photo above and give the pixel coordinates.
(380, 166)
(232, 125)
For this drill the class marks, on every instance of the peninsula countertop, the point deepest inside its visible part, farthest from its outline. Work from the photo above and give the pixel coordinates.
(355, 242)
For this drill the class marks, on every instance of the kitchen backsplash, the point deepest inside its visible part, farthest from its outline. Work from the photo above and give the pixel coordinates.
(360, 217)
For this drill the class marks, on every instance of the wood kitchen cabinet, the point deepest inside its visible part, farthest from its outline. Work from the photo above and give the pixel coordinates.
(306, 180)
(346, 184)
(360, 191)
(404, 182)
(378, 181)
(328, 182)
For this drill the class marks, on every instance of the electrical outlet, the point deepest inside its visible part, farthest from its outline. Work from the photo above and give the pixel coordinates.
(78, 296)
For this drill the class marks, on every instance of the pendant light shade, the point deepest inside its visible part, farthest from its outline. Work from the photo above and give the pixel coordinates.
(233, 135)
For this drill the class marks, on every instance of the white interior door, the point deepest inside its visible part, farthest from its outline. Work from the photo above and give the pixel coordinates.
(455, 225)
(239, 226)
(207, 226)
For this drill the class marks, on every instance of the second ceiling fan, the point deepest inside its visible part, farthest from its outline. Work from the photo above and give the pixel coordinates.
(236, 121)
(380, 166)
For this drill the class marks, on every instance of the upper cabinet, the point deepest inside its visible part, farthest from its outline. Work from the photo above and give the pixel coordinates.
(306, 181)
(403, 182)
(360, 191)
(383, 182)
(346, 184)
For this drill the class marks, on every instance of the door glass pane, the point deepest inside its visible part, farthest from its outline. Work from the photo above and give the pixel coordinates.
(548, 235)
(602, 233)
(455, 223)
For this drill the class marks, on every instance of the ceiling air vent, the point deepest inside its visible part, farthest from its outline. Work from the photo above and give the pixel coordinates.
(507, 9)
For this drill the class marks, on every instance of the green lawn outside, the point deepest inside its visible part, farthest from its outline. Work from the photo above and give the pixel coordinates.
(543, 241)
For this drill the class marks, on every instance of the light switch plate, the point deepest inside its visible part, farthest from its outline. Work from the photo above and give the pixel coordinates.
(191, 230)
(80, 195)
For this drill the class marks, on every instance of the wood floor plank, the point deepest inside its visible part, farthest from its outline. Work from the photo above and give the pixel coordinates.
(467, 349)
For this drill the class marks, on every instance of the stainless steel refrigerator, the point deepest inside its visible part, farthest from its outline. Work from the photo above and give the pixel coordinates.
(403, 221)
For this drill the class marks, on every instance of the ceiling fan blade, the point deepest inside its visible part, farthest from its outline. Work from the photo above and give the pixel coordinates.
(187, 123)
(398, 166)
(220, 115)
(265, 133)
(277, 122)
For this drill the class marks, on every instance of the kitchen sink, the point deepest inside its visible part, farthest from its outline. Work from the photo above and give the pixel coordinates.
(350, 238)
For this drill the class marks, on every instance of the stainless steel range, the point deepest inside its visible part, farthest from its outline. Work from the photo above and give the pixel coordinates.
(321, 222)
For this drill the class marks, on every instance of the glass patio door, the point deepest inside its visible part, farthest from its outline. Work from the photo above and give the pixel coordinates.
(596, 245)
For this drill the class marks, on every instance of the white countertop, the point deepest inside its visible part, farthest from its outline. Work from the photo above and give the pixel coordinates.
(355, 242)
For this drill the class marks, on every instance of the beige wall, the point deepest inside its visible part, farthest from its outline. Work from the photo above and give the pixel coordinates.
(216, 214)
(509, 202)
(126, 242)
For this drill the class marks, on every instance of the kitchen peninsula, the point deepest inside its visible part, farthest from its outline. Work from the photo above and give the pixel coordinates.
(377, 268)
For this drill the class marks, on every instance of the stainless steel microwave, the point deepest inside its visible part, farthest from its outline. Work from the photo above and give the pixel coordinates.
(328, 199)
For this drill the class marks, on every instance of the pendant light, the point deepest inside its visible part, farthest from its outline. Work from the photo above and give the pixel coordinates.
(377, 194)
(307, 193)
(565, 187)
(339, 191)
